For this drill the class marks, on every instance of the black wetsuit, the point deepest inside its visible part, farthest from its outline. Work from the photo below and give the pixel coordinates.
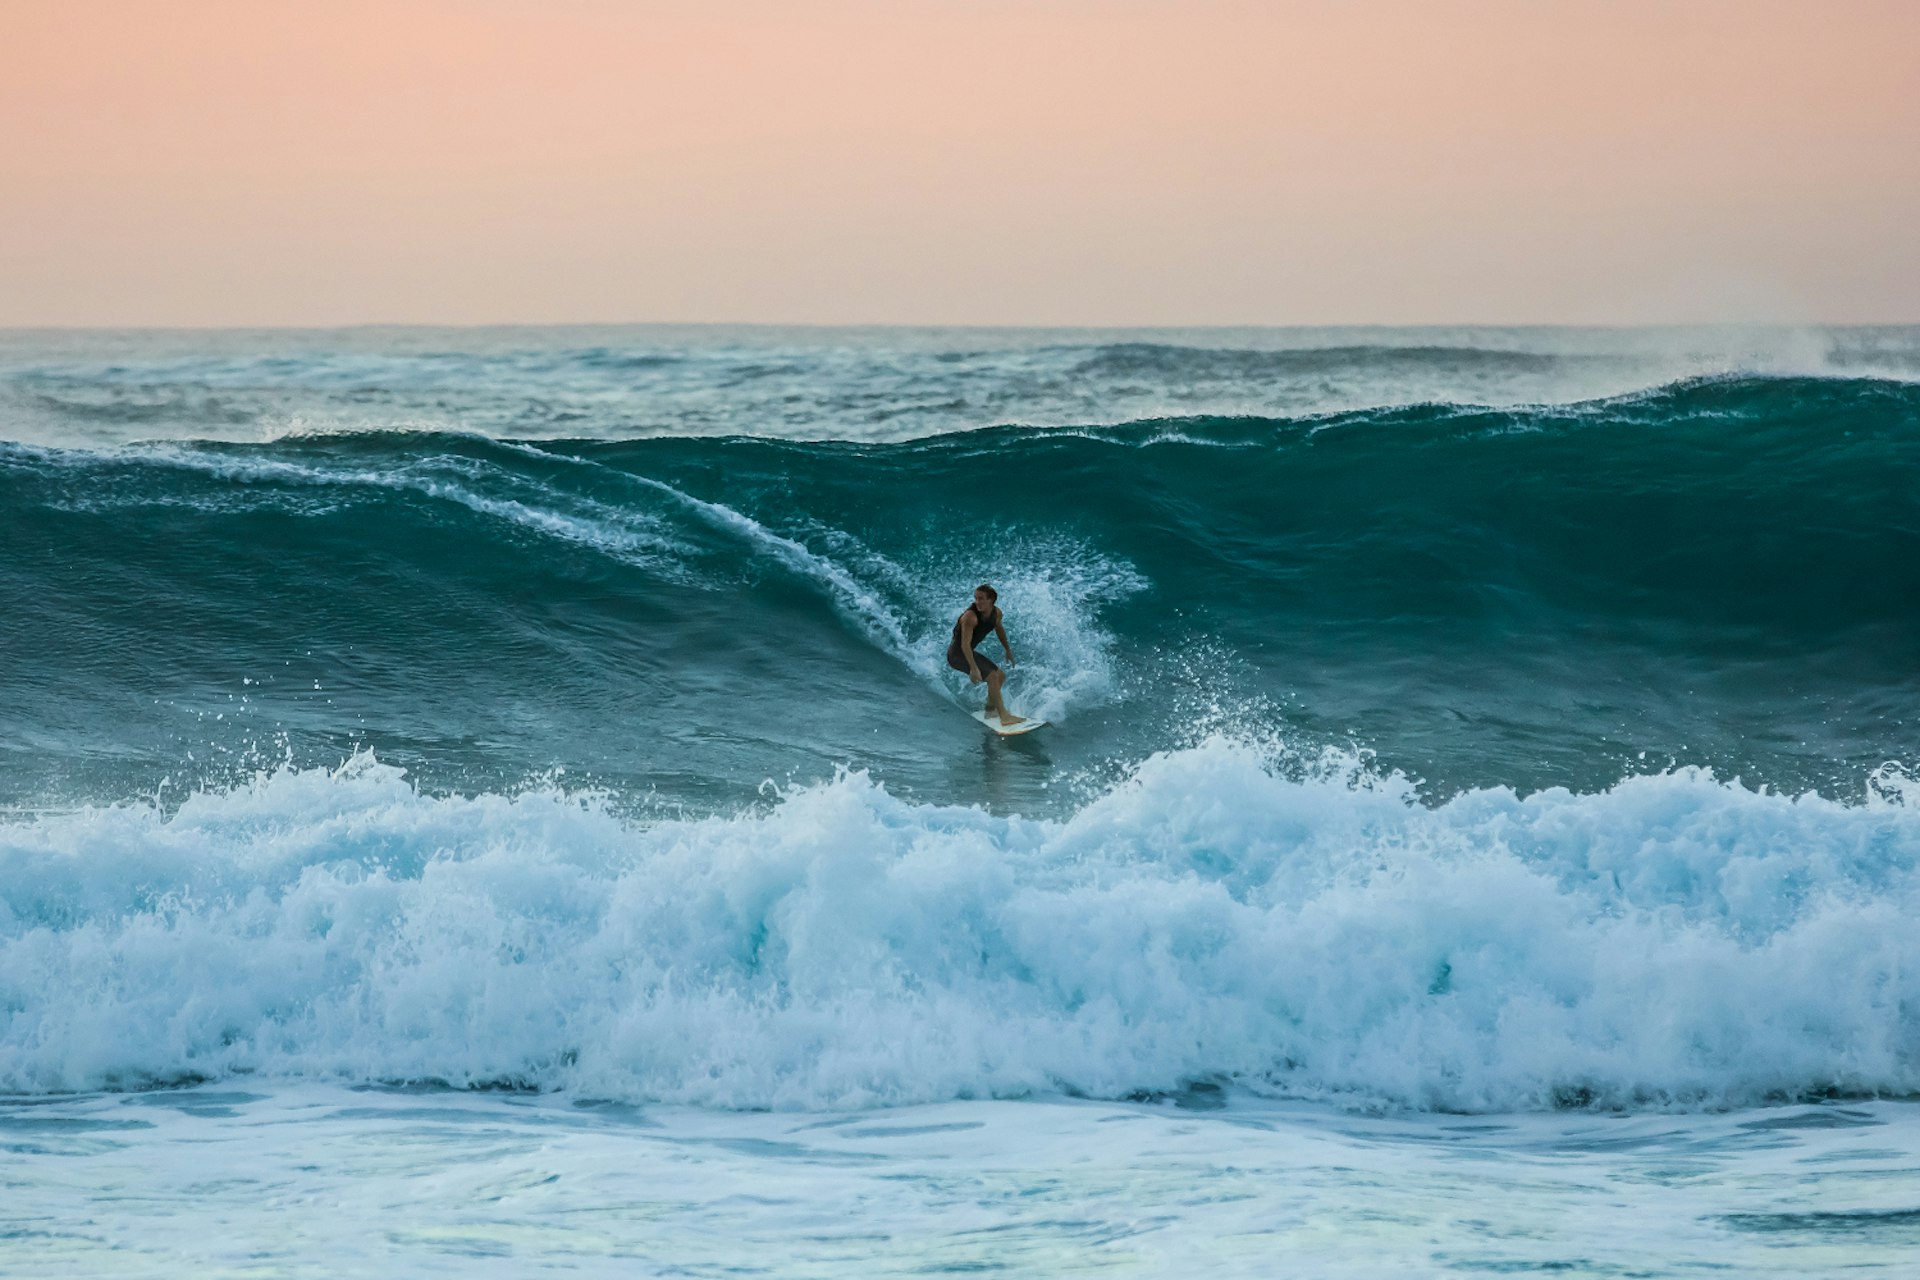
(956, 652)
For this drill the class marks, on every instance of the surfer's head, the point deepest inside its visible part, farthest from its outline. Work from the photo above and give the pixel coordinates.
(984, 597)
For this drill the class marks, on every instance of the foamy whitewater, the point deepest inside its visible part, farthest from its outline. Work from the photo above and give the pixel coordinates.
(493, 802)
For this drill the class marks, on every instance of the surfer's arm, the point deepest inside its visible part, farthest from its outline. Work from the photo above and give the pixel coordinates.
(1001, 632)
(966, 646)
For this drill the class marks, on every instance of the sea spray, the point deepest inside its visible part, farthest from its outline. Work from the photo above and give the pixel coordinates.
(1676, 941)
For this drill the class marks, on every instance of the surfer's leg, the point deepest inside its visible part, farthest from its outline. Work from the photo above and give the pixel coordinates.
(995, 679)
(990, 674)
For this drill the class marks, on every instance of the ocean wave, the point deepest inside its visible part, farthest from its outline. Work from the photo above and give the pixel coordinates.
(1165, 360)
(876, 385)
(1716, 573)
(1675, 941)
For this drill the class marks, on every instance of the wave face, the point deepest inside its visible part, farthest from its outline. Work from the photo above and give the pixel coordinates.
(1671, 942)
(1720, 574)
(1439, 754)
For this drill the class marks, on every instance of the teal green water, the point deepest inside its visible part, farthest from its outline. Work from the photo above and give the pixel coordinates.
(1720, 572)
(507, 783)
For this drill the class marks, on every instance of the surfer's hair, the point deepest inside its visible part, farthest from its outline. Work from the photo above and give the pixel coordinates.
(991, 593)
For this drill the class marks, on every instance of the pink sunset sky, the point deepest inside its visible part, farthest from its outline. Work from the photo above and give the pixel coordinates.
(205, 162)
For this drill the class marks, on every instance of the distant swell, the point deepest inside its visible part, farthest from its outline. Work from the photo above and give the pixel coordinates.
(1162, 360)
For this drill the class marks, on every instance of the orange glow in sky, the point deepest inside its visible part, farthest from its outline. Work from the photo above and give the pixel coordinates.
(959, 161)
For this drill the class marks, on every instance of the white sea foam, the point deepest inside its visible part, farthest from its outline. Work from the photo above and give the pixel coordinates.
(635, 537)
(1673, 941)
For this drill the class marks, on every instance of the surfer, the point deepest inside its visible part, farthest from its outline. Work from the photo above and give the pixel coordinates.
(969, 632)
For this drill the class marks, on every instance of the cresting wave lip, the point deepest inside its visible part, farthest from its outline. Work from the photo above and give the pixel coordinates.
(1674, 941)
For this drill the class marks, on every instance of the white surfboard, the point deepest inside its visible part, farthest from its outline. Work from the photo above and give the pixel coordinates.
(992, 722)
